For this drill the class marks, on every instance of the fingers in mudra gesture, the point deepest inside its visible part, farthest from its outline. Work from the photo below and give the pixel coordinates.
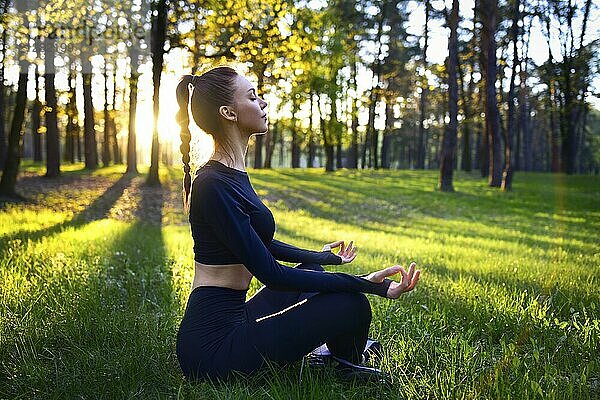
(408, 282)
(347, 254)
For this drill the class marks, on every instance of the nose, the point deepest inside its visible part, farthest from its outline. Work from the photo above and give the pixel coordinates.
(263, 103)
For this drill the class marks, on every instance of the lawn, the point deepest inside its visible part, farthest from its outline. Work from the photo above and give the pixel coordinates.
(95, 271)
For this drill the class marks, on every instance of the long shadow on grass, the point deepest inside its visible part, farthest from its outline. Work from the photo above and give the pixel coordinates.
(498, 278)
(390, 219)
(98, 209)
(117, 339)
(384, 203)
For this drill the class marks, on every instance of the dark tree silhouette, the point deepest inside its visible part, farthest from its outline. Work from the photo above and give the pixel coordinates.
(449, 142)
(159, 32)
(488, 10)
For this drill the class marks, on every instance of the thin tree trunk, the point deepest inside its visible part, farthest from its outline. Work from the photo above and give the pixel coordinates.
(76, 127)
(449, 144)
(131, 137)
(106, 142)
(295, 144)
(508, 172)
(387, 134)
(489, 12)
(271, 144)
(334, 123)
(372, 134)
(13, 153)
(2, 94)
(326, 142)
(353, 154)
(311, 135)
(50, 116)
(259, 139)
(113, 126)
(36, 119)
(424, 89)
(72, 125)
(159, 31)
(523, 151)
(466, 95)
(268, 141)
(90, 146)
(281, 148)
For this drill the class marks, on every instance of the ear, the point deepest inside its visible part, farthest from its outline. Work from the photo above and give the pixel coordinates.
(227, 113)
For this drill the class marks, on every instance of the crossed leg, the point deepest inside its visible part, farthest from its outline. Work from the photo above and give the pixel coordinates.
(268, 301)
(285, 326)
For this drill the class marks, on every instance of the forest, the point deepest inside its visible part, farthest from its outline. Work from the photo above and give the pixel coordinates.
(461, 136)
(351, 86)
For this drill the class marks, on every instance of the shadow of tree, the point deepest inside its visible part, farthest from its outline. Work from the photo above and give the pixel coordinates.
(98, 209)
(116, 328)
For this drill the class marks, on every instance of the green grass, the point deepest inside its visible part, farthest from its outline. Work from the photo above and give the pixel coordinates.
(96, 268)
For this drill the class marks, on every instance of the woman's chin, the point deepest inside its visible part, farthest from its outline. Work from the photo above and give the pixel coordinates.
(262, 132)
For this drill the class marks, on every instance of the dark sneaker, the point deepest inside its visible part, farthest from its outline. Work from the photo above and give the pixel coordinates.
(373, 352)
(350, 371)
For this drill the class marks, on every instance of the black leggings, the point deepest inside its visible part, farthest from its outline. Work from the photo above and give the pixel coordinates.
(221, 332)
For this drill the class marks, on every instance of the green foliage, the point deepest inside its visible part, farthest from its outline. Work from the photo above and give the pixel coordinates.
(507, 306)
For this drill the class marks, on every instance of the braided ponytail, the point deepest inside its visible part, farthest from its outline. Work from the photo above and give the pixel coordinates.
(183, 119)
(211, 90)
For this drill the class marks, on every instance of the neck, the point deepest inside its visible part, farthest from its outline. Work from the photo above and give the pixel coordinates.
(239, 147)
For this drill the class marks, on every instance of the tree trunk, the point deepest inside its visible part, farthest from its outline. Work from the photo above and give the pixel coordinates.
(268, 139)
(336, 132)
(326, 142)
(50, 116)
(295, 144)
(488, 10)
(72, 124)
(36, 120)
(370, 128)
(466, 96)
(113, 126)
(259, 139)
(159, 31)
(281, 148)
(424, 89)
(387, 135)
(13, 153)
(524, 130)
(271, 144)
(353, 153)
(449, 143)
(131, 137)
(106, 141)
(89, 134)
(2, 94)
(508, 172)
(311, 135)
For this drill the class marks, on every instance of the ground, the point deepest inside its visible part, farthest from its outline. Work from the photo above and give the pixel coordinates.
(95, 270)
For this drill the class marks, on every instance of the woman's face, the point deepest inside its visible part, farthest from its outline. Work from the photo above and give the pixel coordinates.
(250, 113)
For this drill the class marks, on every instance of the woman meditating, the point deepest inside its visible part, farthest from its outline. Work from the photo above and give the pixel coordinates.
(299, 308)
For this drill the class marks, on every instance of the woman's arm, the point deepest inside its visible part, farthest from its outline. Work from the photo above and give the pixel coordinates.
(286, 252)
(218, 204)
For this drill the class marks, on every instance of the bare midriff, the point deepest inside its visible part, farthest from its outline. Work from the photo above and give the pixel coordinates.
(234, 276)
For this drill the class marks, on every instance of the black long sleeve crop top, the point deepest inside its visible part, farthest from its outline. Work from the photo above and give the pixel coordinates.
(231, 225)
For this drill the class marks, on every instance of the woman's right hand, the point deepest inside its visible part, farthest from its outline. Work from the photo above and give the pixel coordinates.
(408, 282)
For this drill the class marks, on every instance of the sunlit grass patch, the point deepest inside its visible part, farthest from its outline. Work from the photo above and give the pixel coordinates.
(95, 274)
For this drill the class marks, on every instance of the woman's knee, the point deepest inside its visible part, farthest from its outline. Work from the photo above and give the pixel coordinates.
(311, 266)
(355, 305)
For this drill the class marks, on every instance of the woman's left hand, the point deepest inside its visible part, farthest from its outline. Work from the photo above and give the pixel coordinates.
(347, 254)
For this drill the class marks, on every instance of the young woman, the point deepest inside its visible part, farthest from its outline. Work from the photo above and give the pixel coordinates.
(299, 308)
